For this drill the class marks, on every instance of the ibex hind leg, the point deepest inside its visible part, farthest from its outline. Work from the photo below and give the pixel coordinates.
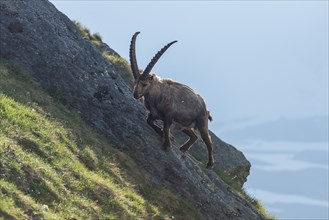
(207, 140)
(192, 138)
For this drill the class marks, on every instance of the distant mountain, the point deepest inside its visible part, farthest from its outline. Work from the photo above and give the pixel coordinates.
(308, 129)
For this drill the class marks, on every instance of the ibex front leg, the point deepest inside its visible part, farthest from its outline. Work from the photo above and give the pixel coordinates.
(150, 121)
(166, 130)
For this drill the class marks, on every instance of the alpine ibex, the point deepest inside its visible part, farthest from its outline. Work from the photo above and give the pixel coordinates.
(170, 102)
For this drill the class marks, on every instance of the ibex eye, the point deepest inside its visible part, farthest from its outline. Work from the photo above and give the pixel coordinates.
(143, 84)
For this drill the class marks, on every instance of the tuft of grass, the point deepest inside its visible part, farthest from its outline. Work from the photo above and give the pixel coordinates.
(257, 204)
(97, 37)
(54, 166)
(84, 31)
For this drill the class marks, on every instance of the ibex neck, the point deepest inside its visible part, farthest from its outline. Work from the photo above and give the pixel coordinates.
(155, 90)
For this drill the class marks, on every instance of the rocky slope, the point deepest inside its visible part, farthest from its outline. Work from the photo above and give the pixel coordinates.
(35, 35)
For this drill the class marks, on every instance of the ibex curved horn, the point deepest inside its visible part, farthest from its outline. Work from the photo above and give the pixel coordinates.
(132, 54)
(156, 58)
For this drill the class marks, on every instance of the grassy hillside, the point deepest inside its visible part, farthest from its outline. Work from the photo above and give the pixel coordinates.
(53, 166)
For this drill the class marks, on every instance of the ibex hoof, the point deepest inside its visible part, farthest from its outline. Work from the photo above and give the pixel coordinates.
(183, 149)
(210, 164)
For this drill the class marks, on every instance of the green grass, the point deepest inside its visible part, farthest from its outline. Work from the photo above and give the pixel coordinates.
(84, 31)
(54, 166)
(257, 204)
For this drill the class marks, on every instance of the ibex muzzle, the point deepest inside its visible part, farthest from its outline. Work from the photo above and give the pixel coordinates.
(171, 102)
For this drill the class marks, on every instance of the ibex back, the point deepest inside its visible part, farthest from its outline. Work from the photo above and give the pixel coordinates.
(171, 102)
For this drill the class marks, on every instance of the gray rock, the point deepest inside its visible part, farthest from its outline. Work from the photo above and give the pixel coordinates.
(35, 35)
(227, 158)
(105, 48)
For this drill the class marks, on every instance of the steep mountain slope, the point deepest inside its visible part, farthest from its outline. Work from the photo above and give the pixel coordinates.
(47, 44)
(227, 159)
(54, 166)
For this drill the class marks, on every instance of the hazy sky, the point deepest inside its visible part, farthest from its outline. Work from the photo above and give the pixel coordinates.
(250, 60)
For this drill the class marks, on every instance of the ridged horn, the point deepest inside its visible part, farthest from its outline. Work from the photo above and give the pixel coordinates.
(156, 58)
(132, 54)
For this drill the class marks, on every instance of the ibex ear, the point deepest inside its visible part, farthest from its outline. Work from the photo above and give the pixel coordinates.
(140, 71)
(152, 76)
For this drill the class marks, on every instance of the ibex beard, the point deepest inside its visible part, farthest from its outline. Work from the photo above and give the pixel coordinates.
(171, 102)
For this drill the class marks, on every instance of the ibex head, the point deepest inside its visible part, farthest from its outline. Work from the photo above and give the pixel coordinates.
(143, 79)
